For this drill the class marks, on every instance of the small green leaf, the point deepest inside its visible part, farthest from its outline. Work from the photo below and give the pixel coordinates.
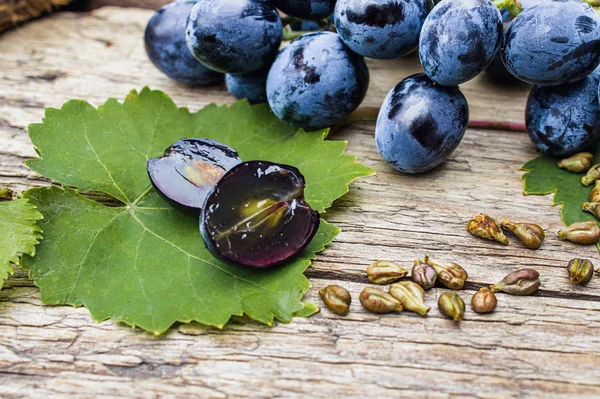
(19, 232)
(545, 177)
(144, 263)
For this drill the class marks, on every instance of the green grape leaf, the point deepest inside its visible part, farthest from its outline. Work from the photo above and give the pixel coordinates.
(545, 177)
(19, 232)
(308, 310)
(144, 263)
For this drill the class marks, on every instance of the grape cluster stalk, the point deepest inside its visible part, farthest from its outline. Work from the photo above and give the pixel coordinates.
(320, 78)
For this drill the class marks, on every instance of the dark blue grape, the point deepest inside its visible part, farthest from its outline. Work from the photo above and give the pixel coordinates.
(306, 9)
(316, 81)
(565, 119)
(420, 124)
(256, 215)
(189, 169)
(382, 29)
(307, 26)
(234, 36)
(459, 40)
(252, 86)
(165, 44)
(553, 43)
(498, 72)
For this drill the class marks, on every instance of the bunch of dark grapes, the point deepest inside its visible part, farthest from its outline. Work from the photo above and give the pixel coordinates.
(320, 78)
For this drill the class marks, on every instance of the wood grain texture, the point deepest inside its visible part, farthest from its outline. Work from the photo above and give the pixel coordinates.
(14, 12)
(547, 345)
(93, 4)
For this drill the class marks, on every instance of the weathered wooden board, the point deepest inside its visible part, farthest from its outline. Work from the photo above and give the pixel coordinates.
(547, 345)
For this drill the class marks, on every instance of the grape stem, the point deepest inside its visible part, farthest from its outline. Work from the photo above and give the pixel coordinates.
(371, 113)
(289, 20)
(513, 6)
(289, 34)
(495, 125)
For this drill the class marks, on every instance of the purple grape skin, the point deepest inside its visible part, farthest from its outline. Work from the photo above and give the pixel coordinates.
(261, 245)
(168, 174)
(459, 40)
(381, 29)
(316, 81)
(563, 120)
(420, 124)
(164, 39)
(234, 36)
(553, 43)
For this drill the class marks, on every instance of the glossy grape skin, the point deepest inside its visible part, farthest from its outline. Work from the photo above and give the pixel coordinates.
(306, 9)
(563, 120)
(256, 215)
(164, 38)
(188, 170)
(381, 29)
(234, 36)
(252, 86)
(553, 43)
(316, 81)
(459, 40)
(420, 124)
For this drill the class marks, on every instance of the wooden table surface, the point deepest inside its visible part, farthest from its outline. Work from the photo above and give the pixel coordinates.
(546, 345)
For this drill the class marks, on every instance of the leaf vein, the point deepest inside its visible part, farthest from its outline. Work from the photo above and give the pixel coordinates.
(87, 252)
(137, 273)
(125, 197)
(197, 257)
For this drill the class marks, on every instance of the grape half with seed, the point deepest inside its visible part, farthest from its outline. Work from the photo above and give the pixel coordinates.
(256, 215)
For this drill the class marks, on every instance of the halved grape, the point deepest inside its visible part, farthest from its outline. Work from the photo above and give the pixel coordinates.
(256, 215)
(189, 170)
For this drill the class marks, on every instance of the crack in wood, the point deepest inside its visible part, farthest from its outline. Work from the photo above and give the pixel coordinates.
(332, 275)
